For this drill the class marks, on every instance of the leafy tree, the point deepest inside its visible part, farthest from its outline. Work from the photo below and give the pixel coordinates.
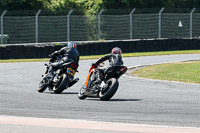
(93, 6)
(20, 4)
(116, 4)
(87, 6)
(2, 4)
(55, 5)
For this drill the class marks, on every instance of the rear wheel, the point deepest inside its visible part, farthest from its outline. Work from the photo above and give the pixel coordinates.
(61, 84)
(110, 89)
(42, 86)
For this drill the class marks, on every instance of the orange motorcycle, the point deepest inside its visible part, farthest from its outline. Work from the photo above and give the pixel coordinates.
(108, 86)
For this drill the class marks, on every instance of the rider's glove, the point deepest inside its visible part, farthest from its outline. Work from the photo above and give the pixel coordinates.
(94, 64)
(53, 54)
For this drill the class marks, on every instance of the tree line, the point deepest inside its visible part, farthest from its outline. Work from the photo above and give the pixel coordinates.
(93, 6)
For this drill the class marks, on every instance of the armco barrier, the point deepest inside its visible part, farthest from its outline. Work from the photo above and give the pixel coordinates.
(95, 48)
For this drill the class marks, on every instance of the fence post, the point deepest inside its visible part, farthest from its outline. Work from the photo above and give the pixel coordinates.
(36, 26)
(68, 25)
(159, 22)
(99, 23)
(191, 13)
(131, 23)
(2, 15)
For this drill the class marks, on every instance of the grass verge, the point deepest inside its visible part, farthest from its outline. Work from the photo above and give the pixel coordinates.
(124, 55)
(182, 71)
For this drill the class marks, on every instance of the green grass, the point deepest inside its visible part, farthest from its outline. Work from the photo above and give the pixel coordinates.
(124, 55)
(147, 54)
(161, 53)
(182, 71)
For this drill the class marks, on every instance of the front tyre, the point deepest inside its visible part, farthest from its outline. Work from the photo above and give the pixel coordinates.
(61, 84)
(81, 94)
(110, 89)
(42, 86)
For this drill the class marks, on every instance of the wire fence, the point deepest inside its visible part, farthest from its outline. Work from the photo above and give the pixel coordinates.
(38, 27)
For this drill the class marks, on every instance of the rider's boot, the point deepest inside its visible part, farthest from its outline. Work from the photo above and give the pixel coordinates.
(98, 81)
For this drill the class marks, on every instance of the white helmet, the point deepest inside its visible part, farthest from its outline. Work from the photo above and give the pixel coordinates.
(71, 44)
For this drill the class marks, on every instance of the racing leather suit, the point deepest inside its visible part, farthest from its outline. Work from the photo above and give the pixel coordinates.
(66, 54)
(114, 60)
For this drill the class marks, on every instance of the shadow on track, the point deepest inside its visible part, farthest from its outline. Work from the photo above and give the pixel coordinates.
(73, 93)
(126, 100)
(118, 100)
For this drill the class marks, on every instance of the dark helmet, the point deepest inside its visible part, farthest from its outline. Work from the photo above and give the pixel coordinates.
(116, 50)
(72, 45)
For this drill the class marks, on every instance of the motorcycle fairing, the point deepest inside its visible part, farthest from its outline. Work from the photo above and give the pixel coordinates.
(90, 78)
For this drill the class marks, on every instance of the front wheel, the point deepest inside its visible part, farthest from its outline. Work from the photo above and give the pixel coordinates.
(61, 84)
(81, 94)
(110, 89)
(42, 86)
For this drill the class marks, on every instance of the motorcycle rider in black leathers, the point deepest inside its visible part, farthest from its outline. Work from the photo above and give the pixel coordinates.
(115, 59)
(65, 55)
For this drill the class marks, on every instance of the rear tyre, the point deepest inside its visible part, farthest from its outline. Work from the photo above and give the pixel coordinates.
(61, 85)
(111, 88)
(42, 86)
(81, 94)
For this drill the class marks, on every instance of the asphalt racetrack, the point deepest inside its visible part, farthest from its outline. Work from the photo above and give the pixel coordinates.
(137, 101)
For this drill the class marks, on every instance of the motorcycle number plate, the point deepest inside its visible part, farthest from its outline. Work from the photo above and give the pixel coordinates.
(71, 71)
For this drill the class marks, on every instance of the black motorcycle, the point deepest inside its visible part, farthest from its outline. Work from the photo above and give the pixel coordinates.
(59, 80)
(108, 86)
